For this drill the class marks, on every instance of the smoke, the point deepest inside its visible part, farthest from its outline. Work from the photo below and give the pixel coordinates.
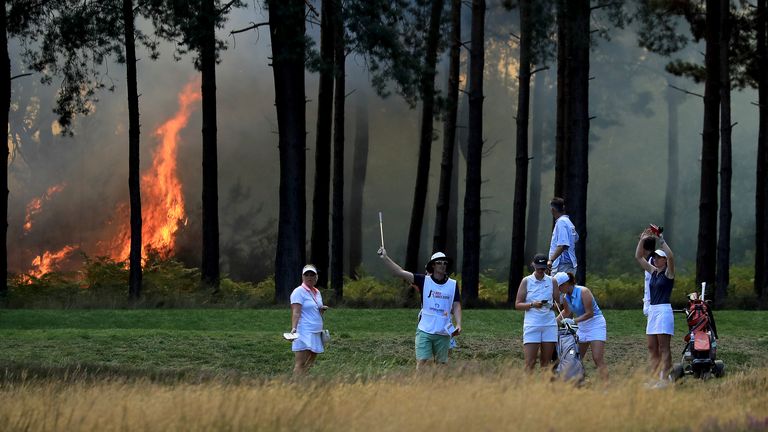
(627, 158)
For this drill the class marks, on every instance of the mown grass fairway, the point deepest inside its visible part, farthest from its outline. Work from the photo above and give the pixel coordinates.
(369, 342)
(230, 370)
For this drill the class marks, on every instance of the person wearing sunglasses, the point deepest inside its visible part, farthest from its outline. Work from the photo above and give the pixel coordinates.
(307, 310)
(440, 298)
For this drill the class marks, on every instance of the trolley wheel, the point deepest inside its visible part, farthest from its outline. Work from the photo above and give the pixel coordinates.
(677, 372)
(719, 369)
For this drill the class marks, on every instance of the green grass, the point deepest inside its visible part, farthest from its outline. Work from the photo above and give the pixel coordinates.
(194, 343)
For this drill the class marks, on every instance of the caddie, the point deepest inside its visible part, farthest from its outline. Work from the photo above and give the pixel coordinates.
(440, 298)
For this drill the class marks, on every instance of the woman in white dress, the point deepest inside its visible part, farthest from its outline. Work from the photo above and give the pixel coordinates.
(307, 310)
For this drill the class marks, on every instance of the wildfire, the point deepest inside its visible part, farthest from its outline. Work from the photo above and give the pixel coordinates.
(36, 205)
(161, 192)
(48, 261)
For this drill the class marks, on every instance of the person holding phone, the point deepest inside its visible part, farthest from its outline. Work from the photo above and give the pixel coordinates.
(440, 298)
(580, 308)
(535, 296)
(307, 311)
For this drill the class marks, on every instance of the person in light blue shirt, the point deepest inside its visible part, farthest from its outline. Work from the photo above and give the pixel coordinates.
(580, 308)
(562, 246)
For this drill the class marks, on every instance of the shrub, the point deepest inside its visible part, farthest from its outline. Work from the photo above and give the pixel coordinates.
(491, 291)
(247, 294)
(370, 292)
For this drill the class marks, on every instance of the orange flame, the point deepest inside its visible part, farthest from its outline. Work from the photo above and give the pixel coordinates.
(48, 261)
(161, 193)
(36, 205)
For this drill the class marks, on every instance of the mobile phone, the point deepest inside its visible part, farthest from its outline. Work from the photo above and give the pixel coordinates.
(544, 301)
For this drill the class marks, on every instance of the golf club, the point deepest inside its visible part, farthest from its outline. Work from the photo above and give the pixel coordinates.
(381, 228)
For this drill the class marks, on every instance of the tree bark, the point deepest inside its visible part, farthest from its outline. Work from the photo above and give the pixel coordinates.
(563, 86)
(320, 200)
(425, 139)
(357, 186)
(440, 239)
(724, 233)
(286, 27)
(210, 265)
(5, 79)
(707, 240)
(537, 153)
(470, 268)
(337, 240)
(134, 129)
(761, 180)
(577, 137)
(673, 162)
(517, 258)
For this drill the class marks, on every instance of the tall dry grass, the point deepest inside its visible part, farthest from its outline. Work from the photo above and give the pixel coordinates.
(452, 400)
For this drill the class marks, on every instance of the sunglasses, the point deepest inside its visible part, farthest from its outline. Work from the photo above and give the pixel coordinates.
(310, 274)
(441, 262)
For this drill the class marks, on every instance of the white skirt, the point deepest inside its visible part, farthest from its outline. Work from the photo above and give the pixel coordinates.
(660, 320)
(308, 342)
(593, 329)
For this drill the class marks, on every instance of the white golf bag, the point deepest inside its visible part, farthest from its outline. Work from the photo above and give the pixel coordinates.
(569, 366)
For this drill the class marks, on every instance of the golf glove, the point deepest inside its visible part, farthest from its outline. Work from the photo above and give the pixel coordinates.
(569, 322)
(382, 252)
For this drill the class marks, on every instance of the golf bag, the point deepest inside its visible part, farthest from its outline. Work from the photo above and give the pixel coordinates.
(699, 357)
(569, 366)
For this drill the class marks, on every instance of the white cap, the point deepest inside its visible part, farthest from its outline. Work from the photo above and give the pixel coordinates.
(660, 253)
(309, 267)
(437, 255)
(561, 278)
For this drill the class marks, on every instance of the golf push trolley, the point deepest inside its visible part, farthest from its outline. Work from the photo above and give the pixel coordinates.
(699, 357)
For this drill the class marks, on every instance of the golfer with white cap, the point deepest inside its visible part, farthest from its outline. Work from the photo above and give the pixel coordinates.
(535, 296)
(440, 298)
(580, 308)
(307, 310)
(661, 323)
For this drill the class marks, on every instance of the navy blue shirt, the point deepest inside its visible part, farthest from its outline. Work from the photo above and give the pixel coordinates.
(661, 288)
(418, 280)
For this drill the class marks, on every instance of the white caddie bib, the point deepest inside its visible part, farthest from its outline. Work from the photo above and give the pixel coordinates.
(436, 304)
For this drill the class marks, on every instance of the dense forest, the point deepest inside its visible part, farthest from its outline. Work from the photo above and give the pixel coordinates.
(255, 137)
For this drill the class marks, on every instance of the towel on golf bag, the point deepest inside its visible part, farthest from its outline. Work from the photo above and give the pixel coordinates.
(569, 366)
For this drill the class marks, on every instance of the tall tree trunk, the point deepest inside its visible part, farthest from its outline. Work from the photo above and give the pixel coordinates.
(577, 137)
(425, 139)
(5, 79)
(517, 258)
(357, 185)
(673, 162)
(563, 87)
(452, 231)
(286, 28)
(210, 266)
(134, 179)
(440, 239)
(337, 241)
(761, 180)
(462, 142)
(537, 138)
(470, 268)
(707, 245)
(724, 234)
(320, 200)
